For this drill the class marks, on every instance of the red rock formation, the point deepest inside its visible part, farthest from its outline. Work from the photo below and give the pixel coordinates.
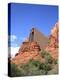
(26, 52)
(53, 42)
(30, 50)
(55, 30)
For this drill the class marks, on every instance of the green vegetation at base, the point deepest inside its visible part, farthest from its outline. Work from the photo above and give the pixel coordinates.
(14, 70)
(35, 67)
(54, 70)
(47, 57)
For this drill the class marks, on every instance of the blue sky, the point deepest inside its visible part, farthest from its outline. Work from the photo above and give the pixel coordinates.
(26, 16)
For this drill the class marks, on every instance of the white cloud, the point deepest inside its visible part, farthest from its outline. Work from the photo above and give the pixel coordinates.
(12, 37)
(13, 51)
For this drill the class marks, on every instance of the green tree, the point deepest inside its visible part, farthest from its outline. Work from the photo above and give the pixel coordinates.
(55, 61)
(14, 70)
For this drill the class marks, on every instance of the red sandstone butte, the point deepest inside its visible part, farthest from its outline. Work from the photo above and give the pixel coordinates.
(31, 50)
(52, 47)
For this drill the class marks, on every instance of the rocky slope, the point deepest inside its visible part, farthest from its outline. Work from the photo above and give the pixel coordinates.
(26, 52)
(31, 50)
(52, 46)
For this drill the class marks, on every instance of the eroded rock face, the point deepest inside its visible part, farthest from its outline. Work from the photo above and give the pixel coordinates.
(26, 52)
(34, 47)
(54, 30)
(52, 46)
(30, 50)
(54, 35)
